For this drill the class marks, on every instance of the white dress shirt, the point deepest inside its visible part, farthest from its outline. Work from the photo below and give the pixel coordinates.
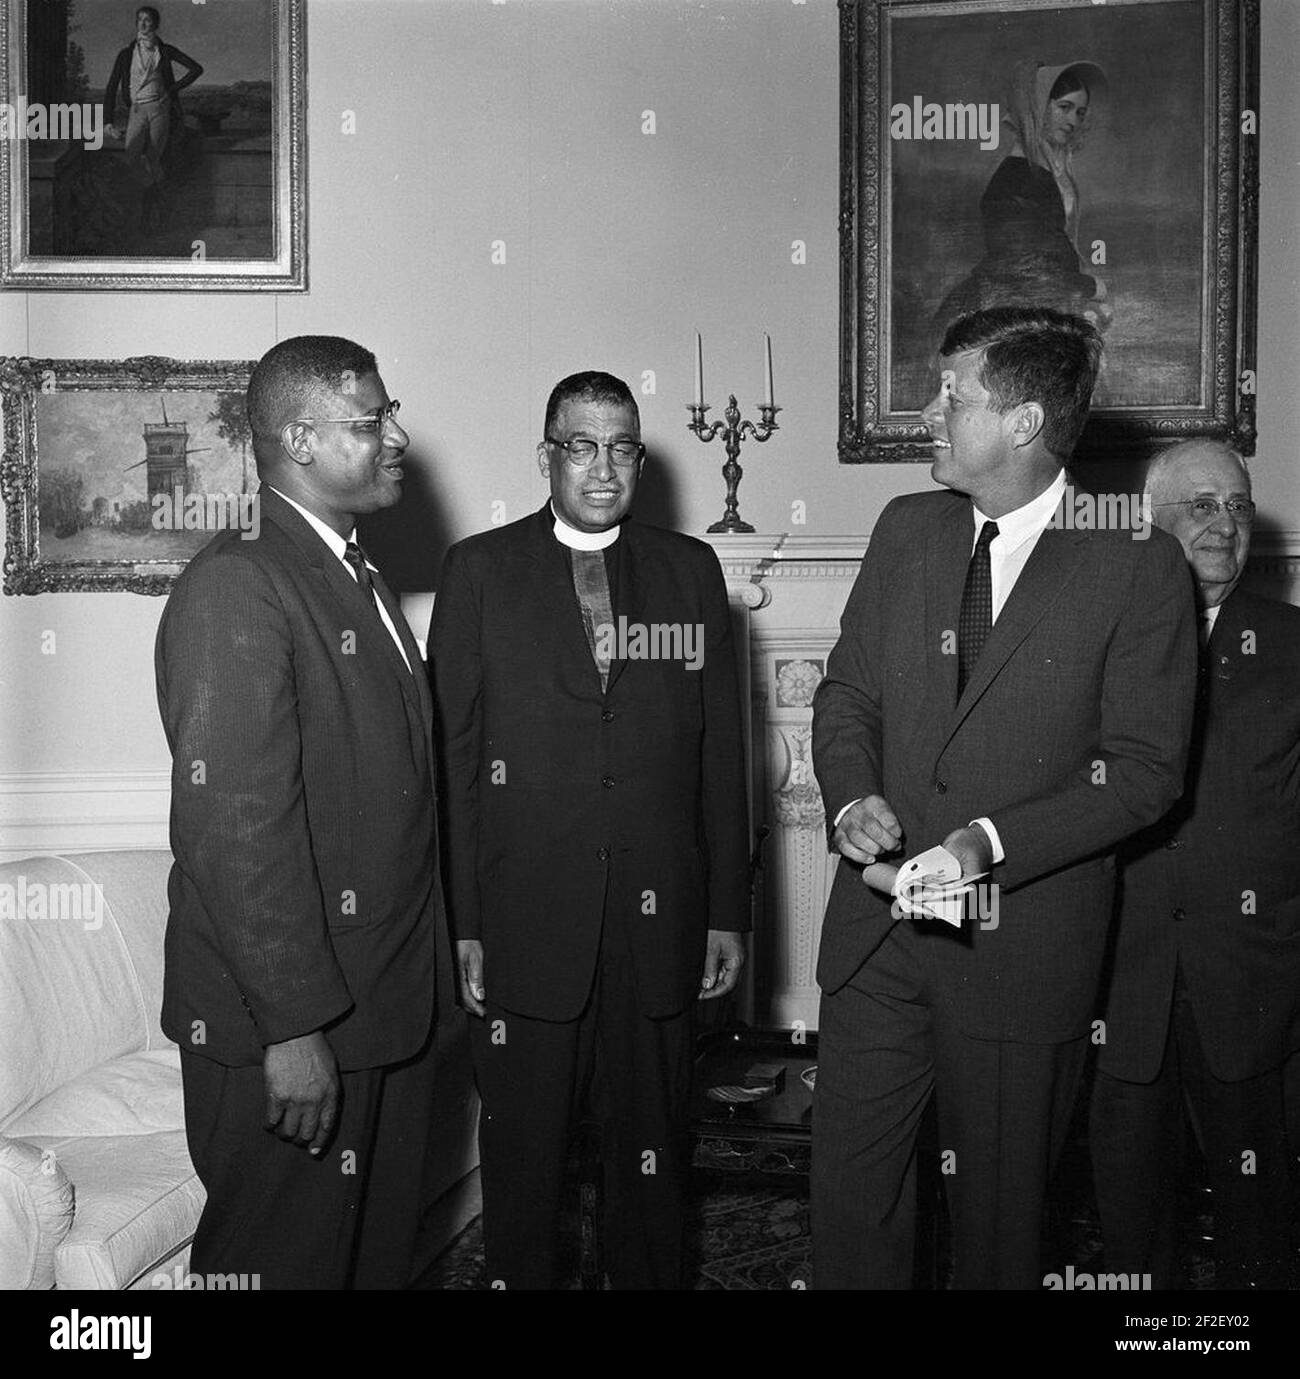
(339, 546)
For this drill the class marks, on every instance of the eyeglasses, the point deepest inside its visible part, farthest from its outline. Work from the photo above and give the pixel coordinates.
(369, 422)
(1207, 509)
(582, 453)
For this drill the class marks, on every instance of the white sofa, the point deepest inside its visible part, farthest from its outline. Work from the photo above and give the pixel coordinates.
(96, 1185)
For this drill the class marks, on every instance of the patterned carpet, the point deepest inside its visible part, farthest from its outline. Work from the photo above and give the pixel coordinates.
(757, 1238)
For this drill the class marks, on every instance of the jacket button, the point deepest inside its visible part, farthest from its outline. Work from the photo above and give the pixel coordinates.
(1173, 844)
(603, 854)
(1180, 914)
(608, 782)
(941, 787)
(607, 716)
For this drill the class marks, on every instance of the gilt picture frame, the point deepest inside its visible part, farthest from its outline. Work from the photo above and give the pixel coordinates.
(940, 167)
(116, 472)
(198, 184)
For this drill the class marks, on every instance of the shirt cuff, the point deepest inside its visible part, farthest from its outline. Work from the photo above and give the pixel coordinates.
(987, 826)
(846, 809)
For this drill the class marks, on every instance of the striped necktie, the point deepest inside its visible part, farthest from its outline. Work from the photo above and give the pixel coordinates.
(591, 584)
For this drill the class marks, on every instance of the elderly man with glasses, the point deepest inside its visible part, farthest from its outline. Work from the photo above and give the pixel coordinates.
(596, 828)
(1203, 1005)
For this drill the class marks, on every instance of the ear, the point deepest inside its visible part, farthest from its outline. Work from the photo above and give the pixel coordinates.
(298, 441)
(544, 459)
(1026, 423)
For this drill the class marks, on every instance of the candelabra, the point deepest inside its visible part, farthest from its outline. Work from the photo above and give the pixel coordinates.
(732, 433)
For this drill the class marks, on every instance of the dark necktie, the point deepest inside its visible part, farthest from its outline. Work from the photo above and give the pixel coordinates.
(591, 584)
(976, 621)
(355, 557)
(357, 560)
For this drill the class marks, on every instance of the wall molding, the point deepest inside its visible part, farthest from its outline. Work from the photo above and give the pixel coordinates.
(72, 811)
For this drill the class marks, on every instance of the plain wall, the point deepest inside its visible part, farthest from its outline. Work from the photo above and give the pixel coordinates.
(478, 122)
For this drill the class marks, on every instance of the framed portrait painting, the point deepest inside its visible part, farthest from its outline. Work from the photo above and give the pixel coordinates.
(1100, 159)
(116, 473)
(153, 147)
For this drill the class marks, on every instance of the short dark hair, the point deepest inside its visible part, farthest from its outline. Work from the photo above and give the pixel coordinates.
(1034, 354)
(290, 376)
(591, 386)
(151, 12)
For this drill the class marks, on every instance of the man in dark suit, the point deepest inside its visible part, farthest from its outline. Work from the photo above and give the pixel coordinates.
(1019, 691)
(305, 890)
(1203, 1005)
(596, 822)
(144, 77)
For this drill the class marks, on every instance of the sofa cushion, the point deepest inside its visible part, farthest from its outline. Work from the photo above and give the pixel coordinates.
(136, 1095)
(80, 967)
(138, 1198)
(36, 1206)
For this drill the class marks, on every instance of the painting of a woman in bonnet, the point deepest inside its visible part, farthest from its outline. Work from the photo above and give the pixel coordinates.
(1030, 209)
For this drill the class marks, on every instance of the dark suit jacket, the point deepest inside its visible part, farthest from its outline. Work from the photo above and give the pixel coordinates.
(567, 808)
(1236, 830)
(120, 78)
(1071, 734)
(305, 887)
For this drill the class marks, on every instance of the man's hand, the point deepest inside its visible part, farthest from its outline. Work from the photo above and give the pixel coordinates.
(302, 1090)
(469, 959)
(972, 847)
(867, 829)
(723, 959)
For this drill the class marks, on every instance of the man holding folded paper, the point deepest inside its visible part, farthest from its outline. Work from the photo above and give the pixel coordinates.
(1018, 692)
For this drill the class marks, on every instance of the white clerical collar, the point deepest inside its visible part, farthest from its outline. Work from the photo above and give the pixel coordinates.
(582, 540)
(327, 534)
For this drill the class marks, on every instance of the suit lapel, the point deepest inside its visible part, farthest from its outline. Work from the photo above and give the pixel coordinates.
(547, 591)
(947, 555)
(630, 591)
(1048, 571)
(1222, 657)
(345, 590)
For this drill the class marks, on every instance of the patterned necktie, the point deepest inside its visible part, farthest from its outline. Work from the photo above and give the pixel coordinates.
(371, 590)
(357, 560)
(976, 620)
(591, 584)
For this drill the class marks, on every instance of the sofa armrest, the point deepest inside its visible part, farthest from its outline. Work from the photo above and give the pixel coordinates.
(37, 1202)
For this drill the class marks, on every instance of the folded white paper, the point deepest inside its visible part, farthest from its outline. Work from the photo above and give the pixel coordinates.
(929, 885)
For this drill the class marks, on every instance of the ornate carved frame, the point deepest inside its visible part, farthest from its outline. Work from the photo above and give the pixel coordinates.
(284, 271)
(868, 431)
(21, 382)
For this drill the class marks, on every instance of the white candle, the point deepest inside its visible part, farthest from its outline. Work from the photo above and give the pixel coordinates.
(699, 371)
(767, 375)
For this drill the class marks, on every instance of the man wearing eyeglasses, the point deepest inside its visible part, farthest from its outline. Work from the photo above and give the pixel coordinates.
(1204, 999)
(596, 830)
(305, 895)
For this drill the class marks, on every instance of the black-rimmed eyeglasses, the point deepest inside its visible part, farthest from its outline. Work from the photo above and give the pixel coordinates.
(582, 453)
